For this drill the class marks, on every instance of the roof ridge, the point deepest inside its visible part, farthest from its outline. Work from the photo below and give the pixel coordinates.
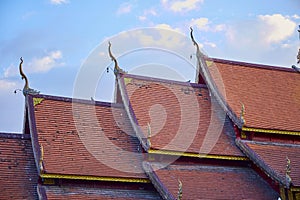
(271, 143)
(15, 136)
(168, 81)
(253, 65)
(77, 100)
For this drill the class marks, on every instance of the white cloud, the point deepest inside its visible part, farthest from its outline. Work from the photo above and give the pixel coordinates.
(182, 5)
(124, 8)
(142, 18)
(46, 63)
(147, 13)
(37, 65)
(12, 70)
(219, 27)
(210, 44)
(200, 23)
(58, 2)
(296, 16)
(6, 85)
(162, 36)
(261, 39)
(262, 32)
(276, 27)
(167, 26)
(204, 24)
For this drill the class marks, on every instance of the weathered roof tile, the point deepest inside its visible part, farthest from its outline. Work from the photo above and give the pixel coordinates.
(272, 158)
(86, 138)
(181, 116)
(208, 182)
(18, 174)
(271, 95)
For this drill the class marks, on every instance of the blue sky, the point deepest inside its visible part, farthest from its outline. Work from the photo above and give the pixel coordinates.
(56, 38)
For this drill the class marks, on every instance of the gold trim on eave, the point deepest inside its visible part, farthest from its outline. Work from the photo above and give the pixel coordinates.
(271, 131)
(96, 178)
(195, 155)
(295, 189)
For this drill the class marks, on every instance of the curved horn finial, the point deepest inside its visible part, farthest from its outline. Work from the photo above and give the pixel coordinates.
(193, 39)
(26, 89)
(117, 68)
(23, 76)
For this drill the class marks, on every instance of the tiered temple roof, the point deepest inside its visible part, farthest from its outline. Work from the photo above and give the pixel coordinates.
(235, 134)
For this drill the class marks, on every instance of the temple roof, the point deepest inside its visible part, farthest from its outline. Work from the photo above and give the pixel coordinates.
(272, 158)
(81, 139)
(208, 182)
(270, 95)
(18, 177)
(181, 117)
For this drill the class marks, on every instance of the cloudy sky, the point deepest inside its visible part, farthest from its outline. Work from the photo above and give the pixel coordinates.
(56, 38)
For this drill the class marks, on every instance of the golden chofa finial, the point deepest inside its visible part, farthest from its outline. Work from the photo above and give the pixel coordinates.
(26, 89)
(117, 69)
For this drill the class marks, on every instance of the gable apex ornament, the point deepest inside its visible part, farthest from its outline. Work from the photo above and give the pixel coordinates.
(297, 69)
(117, 69)
(26, 90)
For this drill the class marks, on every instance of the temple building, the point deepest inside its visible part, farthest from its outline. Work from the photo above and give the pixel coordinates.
(234, 134)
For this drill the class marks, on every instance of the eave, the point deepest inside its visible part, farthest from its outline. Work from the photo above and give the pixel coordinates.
(261, 164)
(197, 155)
(271, 131)
(94, 178)
(202, 68)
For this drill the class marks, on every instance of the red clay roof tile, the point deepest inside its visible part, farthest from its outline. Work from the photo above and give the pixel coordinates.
(182, 116)
(209, 182)
(271, 157)
(86, 138)
(18, 174)
(88, 192)
(271, 95)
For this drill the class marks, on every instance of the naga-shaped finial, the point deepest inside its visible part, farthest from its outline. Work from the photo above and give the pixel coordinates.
(26, 86)
(179, 195)
(194, 41)
(288, 178)
(297, 69)
(26, 89)
(117, 69)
